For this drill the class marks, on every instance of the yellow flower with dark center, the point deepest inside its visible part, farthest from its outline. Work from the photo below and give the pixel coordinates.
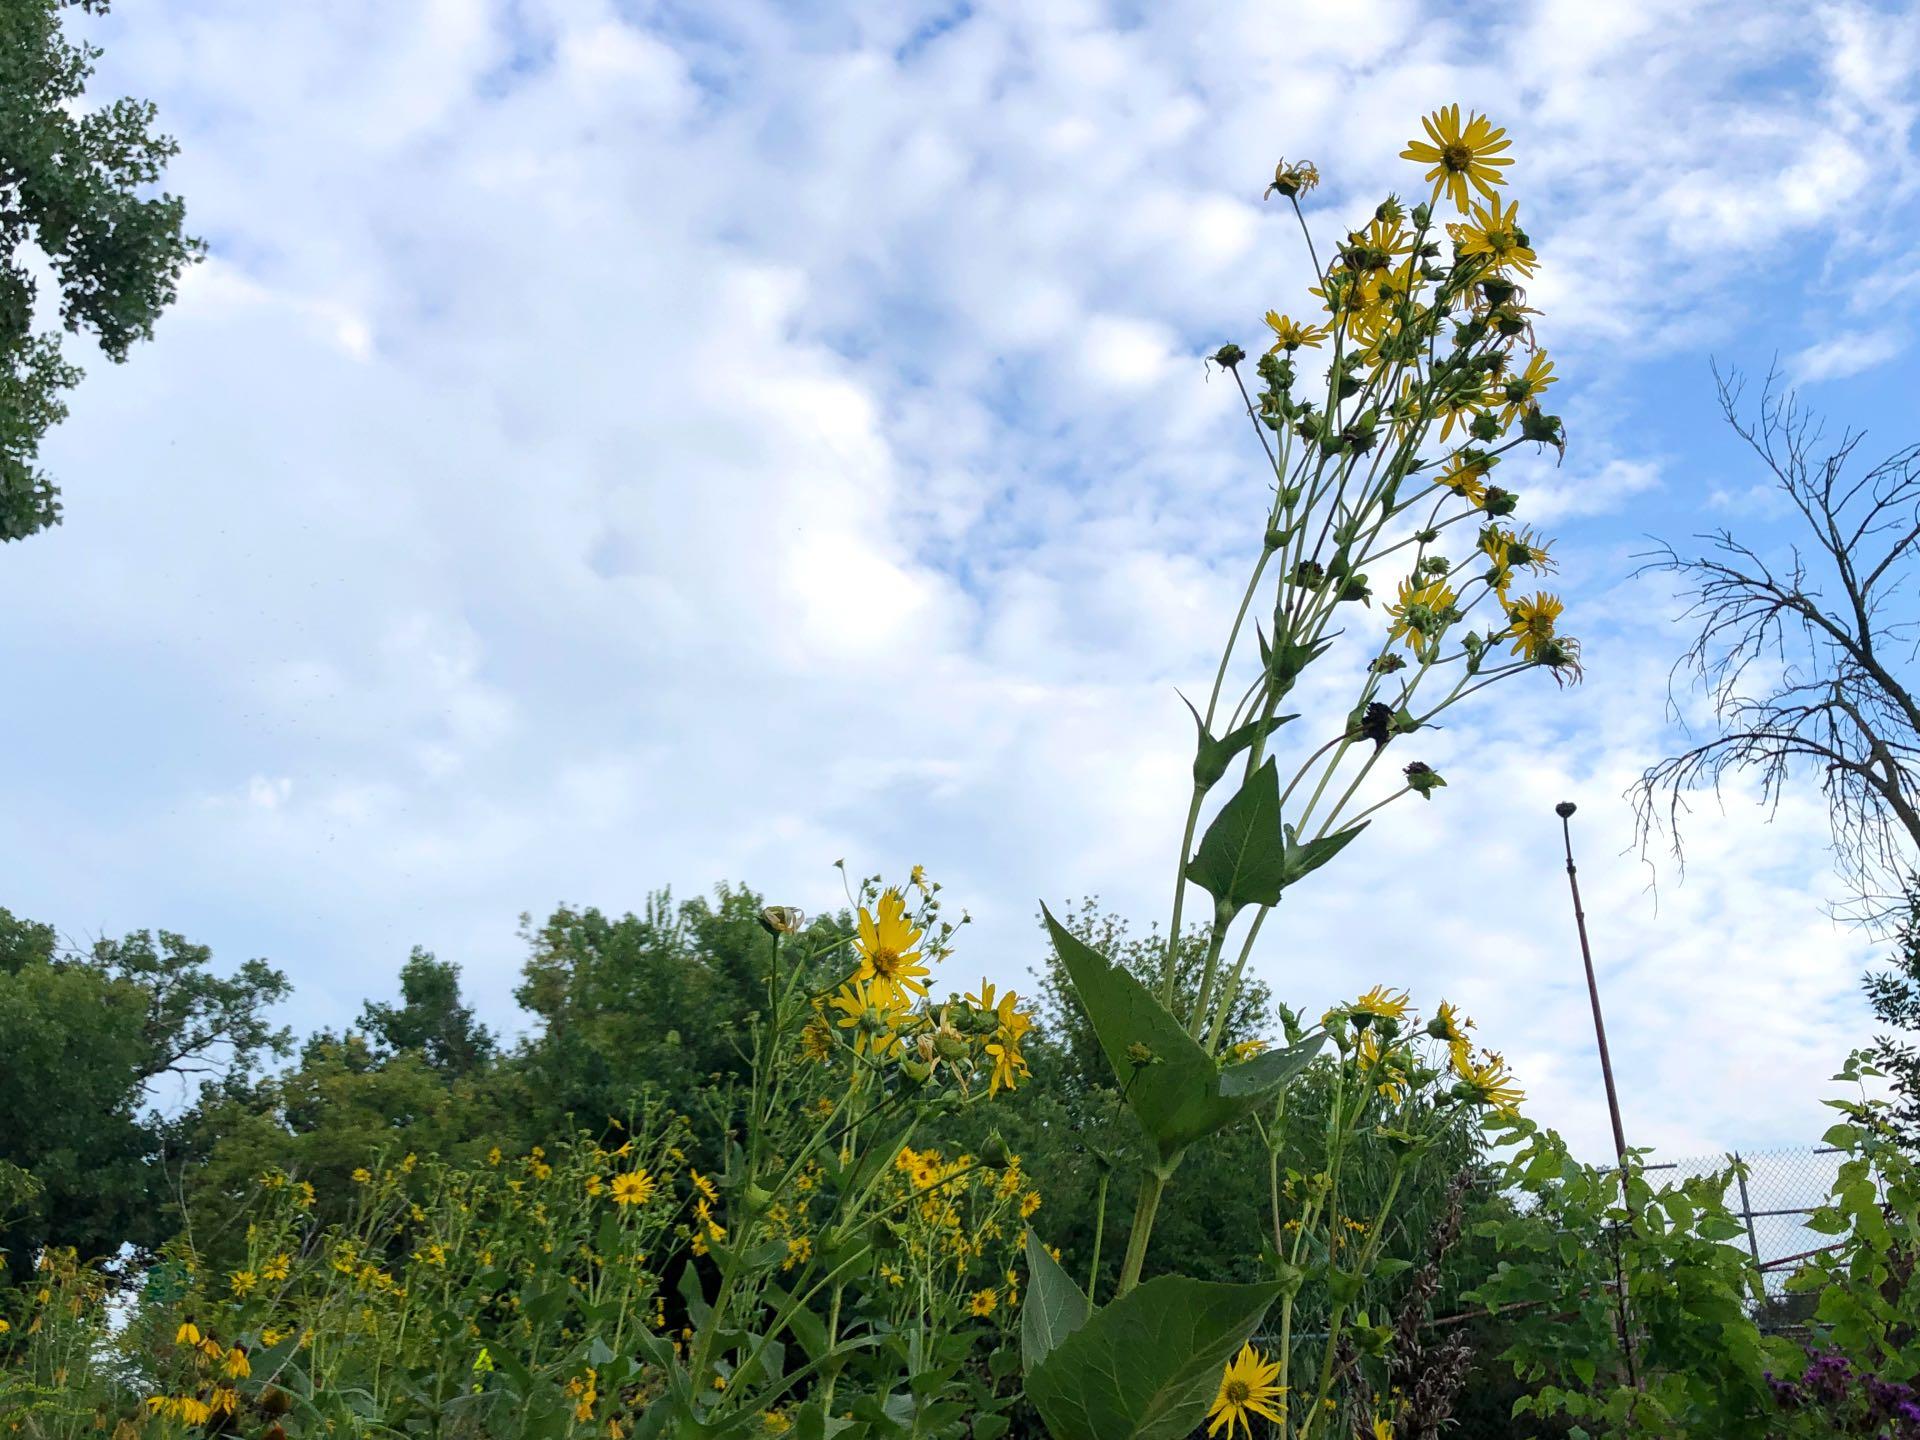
(187, 1334)
(1420, 613)
(1532, 623)
(885, 946)
(242, 1282)
(633, 1188)
(985, 1301)
(1526, 388)
(1247, 1388)
(236, 1364)
(1290, 334)
(1460, 155)
(1494, 233)
(1029, 1203)
(1489, 1080)
(705, 1186)
(871, 1010)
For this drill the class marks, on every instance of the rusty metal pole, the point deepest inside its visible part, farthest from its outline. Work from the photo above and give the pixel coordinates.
(1565, 811)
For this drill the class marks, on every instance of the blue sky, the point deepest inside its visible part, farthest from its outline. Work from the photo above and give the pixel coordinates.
(619, 446)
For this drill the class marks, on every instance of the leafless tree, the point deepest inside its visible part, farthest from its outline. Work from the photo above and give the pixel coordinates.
(1806, 654)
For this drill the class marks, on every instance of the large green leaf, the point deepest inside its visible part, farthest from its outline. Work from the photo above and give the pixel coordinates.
(1174, 1087)
(1147, 1366)
(1242, 857)
(1167, 1078)
(1054, 1306)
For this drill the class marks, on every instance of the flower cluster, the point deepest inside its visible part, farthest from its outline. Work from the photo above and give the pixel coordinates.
(1842, 1400)
(884, 1013)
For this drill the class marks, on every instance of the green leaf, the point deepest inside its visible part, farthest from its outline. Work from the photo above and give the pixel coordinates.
(1255, 1079)
(1169, 1094)
(1303, 860)
(1242, 858)
(1180, 1094)
(1054, 1308)
(1147, 1366)
(1211, 757)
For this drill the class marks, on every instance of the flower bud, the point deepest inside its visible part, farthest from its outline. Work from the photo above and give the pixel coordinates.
(782, 919)
(1423, 779)
(1498, 501)
(1228, 356)
(918, 1071)
(1294, 180)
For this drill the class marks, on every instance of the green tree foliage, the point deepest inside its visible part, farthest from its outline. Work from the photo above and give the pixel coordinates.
(76, 200)
(84, 1037)
(653, 1002)
(1894, 994)
(431, 1019)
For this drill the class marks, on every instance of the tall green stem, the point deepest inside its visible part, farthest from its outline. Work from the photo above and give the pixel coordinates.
(1152, 1185)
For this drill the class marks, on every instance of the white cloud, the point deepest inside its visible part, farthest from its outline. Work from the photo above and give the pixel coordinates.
(1845, 355)
(605, 453)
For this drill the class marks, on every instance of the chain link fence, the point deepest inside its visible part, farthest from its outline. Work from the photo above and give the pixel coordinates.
(1780, 1189)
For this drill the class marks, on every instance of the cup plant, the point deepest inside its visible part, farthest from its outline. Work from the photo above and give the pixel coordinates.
(1383, 457)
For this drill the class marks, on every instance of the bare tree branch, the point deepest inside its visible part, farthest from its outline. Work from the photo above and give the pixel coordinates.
(1806, 661)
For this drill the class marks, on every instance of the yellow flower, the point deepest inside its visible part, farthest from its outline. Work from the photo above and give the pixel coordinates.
(1532, 623)
(1466, 475)
(1246, 1388)
(594, 1184)
(236, 1364)
(1292, 334)
(1382, 1001)
(1293, 180)
(705, 1186)
(408, 1163)
(1381, 1063)
(493, 1156)
(774, 1422)
(307, 1197)
(242, 1282)
(1526, 388)
(271, 1337)
(886, 946)
(871, 1010)
(433, 1254)
(1009, 1065)
(1489, 1080)
(984, 1301)
(634, 1188)
(1245, 1049)
(1449, 1024)
(1029, 1203)
(5, 1326)
(1420, 614)
(362, 1175)
(187, 1334)
(918, 879)
(1495, 233)
(816, 1038)
(1460, 155)
(1382, 1428)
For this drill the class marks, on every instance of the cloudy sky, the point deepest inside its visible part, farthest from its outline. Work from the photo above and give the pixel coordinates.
(613, 446)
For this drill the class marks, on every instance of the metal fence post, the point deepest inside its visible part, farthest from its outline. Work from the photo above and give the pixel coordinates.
(1746, 1208)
